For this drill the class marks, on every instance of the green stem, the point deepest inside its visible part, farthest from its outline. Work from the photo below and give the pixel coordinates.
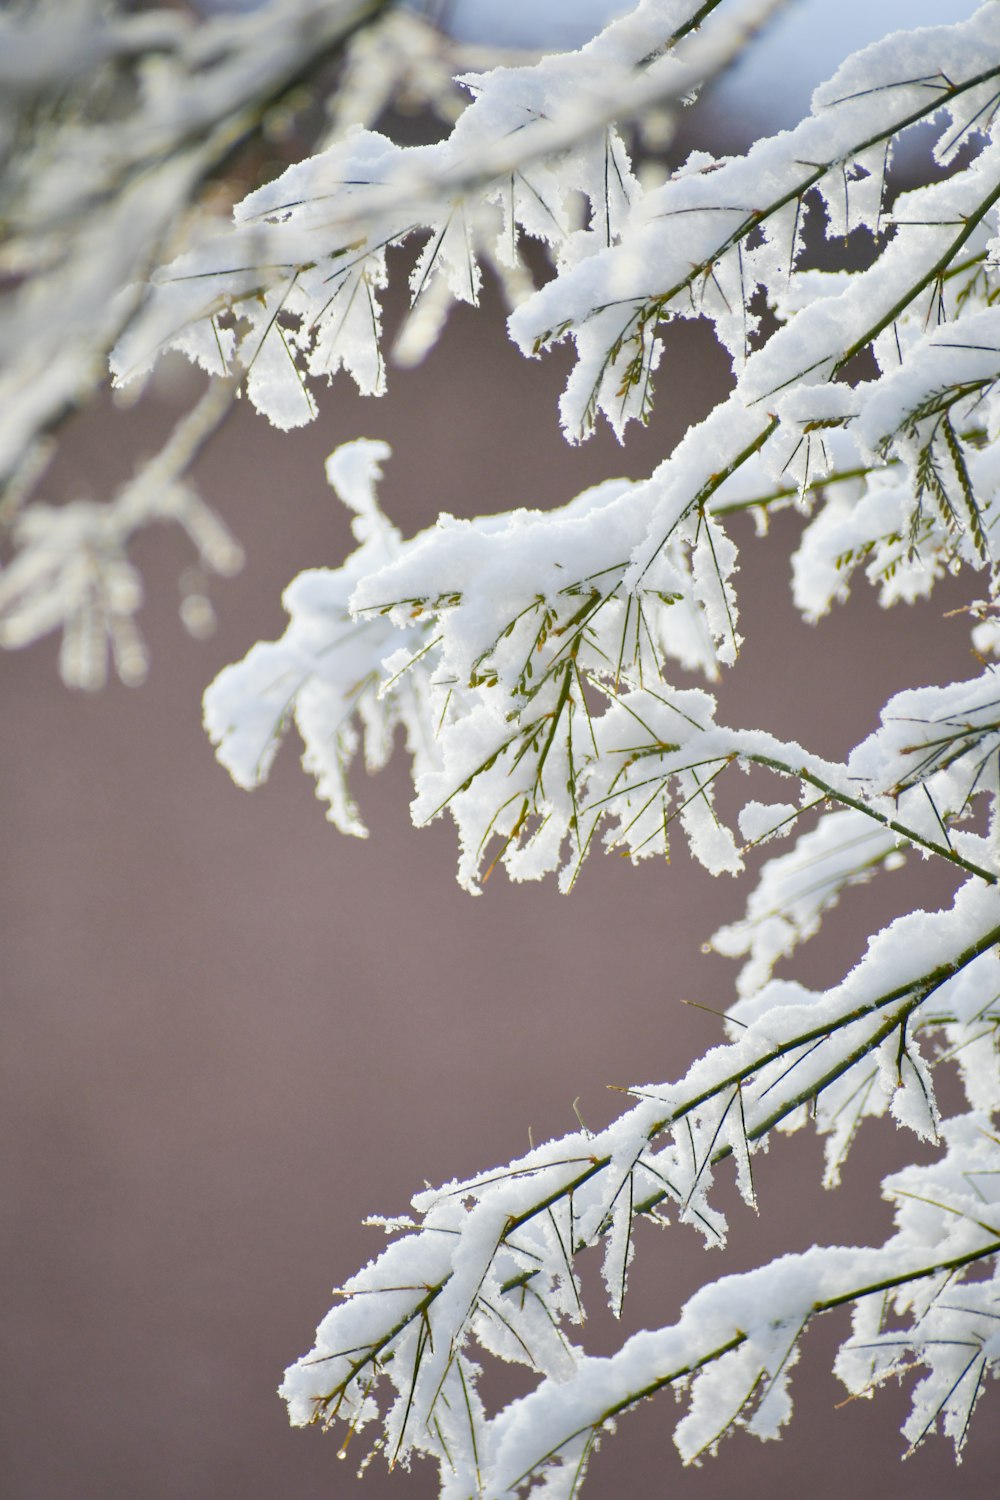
(738, 1338)
(915, 992)
(847, 800)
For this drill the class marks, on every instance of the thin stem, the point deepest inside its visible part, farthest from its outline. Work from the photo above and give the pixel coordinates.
(837, 795)
(914, 993)
(738, 1338)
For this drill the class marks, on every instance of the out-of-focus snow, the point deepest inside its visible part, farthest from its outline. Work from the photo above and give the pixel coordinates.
(770, 86)
(773, 82)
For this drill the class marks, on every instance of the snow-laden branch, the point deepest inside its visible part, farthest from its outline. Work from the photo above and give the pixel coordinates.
(535, 706)
(72, 571)
(92, 203)
(111, 127)
(529, 658)
(491, 1258)
(532, 659)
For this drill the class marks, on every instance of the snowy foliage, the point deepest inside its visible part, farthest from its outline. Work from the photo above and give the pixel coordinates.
(533, 661)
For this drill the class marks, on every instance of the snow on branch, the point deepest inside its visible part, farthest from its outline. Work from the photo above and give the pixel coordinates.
(304, 265)
(532, 694)
(539, 654)
(535, 660)
(113, 126)
(491, 1259)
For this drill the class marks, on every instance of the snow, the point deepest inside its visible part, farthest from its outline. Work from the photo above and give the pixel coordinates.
(532, 659)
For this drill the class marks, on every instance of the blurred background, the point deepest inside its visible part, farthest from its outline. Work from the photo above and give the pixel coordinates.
(229, 1033)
